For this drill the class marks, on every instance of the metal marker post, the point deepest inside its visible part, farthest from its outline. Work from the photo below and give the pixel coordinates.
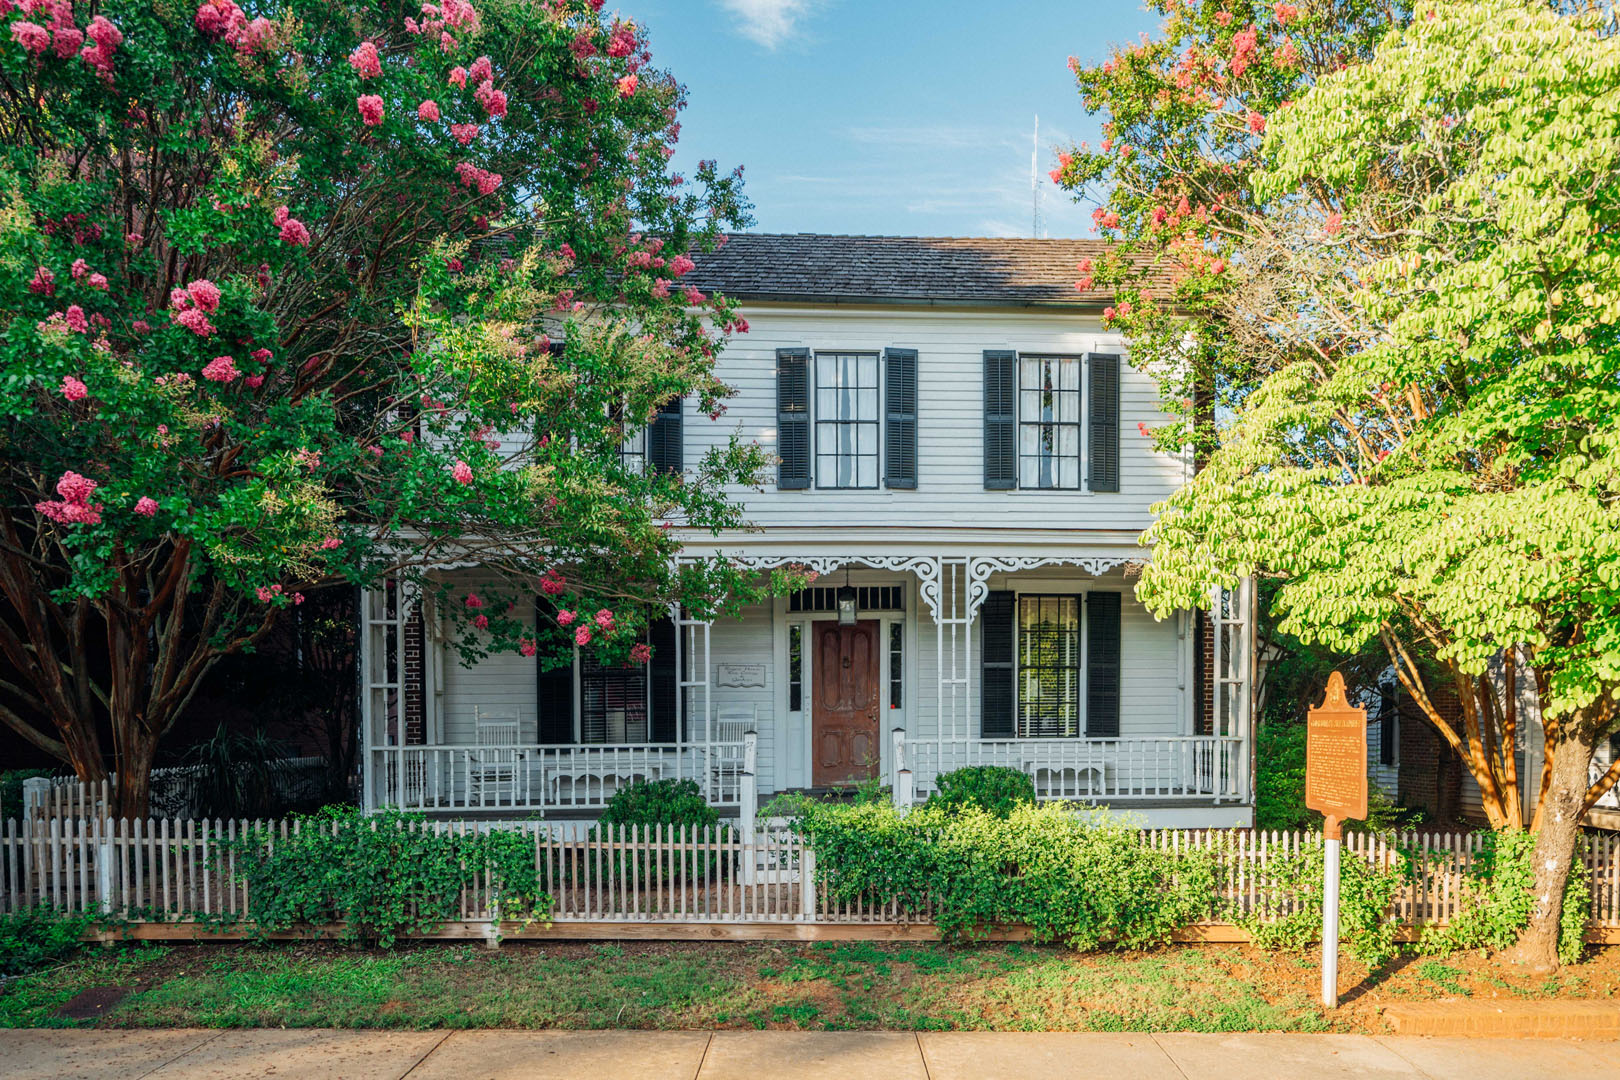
(1332, 832)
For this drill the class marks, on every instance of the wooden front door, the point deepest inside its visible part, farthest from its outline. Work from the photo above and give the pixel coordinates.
(844, 724)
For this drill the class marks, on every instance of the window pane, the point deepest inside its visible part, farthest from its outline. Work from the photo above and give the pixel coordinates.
(795, 669)
(847, 420)
(1048, 667)
(1049, 422)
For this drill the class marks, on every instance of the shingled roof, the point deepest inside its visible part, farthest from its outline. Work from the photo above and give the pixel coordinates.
(813, 267)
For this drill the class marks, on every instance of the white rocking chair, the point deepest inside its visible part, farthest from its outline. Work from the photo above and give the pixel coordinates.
(492, 767)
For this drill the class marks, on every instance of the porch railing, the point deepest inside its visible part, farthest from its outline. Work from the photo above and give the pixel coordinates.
(1200, 768)
(537, 777)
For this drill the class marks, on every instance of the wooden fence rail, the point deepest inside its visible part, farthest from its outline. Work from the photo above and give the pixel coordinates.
(164, 871)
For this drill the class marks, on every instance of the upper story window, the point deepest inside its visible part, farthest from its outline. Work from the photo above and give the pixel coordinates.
(1049, 418)
(1051, 422)
(847, 420)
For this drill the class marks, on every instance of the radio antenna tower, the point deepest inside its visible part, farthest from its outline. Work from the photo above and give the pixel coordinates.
(1035, 181)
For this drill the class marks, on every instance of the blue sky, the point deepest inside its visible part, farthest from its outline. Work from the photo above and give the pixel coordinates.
(887, 116)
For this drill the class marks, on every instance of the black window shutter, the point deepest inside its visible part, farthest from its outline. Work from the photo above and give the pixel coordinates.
(793, 418)
(1386, 724)
(1104, 462)
(664, 438)
(665, 681)
(1102, 665)
(900, 418)
(554, 701)
(996, 701)
(1000, 443)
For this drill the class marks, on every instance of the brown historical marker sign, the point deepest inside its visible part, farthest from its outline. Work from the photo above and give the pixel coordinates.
(1336, 758)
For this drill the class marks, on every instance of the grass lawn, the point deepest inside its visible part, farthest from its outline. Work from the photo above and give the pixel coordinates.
(709, 985)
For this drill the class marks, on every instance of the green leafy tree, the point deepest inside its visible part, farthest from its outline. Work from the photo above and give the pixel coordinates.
(306, 292)
(1434, 462)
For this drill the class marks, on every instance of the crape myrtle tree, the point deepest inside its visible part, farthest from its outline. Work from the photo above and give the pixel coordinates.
(1433, 460)
(299, 292)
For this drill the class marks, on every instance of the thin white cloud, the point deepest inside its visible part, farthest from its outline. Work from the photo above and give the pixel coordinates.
(768, 22)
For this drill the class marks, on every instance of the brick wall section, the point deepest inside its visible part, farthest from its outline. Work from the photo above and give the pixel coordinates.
(1431, 774)
(415, 710)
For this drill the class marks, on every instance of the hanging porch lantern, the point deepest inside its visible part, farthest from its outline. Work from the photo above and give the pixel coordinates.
(847, 610)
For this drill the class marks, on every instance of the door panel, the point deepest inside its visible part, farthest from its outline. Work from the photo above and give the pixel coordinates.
(845, 711)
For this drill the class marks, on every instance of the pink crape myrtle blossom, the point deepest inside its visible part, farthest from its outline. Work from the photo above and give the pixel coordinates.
(146, 506)
(582, 636)
(640, 653)
(493, 100)
(80, 269)
(205, 294)
(458, 76)
(628, 84)
(680, 265)
(604, 619)
(371, 109)
(462, 472)
(481, 621)
(75, 507)
(365, 61)
(527, 647)
(622, 42)
(73, 389)
(474, 177)
(464, 133)
(473, 601)
(76, 320)
(31, 36)
(220, 369)
(565, 617)
(44, 282)
(292, 230)
(481, 71)
(428, 112)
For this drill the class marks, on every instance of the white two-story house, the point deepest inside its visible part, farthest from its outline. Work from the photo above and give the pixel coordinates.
(960, 457)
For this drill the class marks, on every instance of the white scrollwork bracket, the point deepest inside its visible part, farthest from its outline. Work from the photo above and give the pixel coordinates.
(980, 567)
(926, 567)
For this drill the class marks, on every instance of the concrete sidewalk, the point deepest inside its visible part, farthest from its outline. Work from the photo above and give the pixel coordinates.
(791, 1055)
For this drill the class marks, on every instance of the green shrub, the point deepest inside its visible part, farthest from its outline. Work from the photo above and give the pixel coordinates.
(1279, 780)
(1288, 914)
(1081, 878)
(384, 876)
(660, 802)
(35, 937)
(651, 804)
(995, 789)
(1498, 896)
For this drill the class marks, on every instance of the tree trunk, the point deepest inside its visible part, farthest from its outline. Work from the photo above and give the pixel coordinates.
(1560, 815)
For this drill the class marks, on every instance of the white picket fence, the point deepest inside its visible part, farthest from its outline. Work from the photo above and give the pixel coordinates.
(163, 871)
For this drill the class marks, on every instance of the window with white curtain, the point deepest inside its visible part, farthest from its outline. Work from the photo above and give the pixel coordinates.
(1049, 402)
(846, 420)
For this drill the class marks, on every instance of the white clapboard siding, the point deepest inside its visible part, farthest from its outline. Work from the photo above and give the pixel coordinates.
(950, 481)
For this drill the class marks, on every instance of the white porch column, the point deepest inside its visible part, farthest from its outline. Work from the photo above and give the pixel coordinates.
(953, 621)
(382, 703)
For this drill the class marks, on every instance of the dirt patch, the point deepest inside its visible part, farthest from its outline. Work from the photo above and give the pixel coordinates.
(92, 1004)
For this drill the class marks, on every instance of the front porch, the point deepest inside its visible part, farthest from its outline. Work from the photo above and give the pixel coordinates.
(1097, 702)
